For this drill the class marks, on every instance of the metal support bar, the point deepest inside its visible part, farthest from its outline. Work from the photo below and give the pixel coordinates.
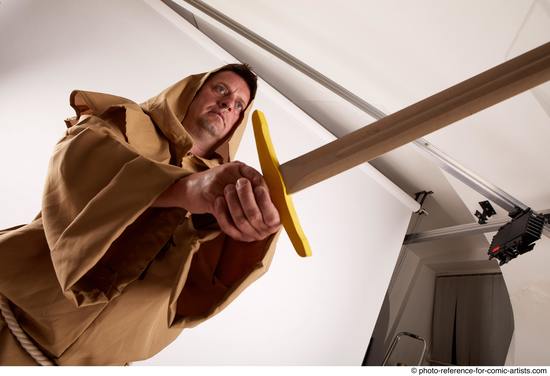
(467, 229)
(442, 233)
(488, 190)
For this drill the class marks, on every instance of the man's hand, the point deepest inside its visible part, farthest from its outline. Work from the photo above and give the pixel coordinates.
(234, 193)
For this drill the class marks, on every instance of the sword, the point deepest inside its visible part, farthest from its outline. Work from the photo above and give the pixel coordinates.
(446, 107)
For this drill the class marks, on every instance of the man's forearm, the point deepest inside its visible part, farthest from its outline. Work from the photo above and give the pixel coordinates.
(172, 197)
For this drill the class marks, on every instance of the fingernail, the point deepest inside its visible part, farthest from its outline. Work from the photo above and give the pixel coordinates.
(241, 182)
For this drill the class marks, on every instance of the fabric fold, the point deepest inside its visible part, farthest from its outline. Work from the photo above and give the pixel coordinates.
(212, 278)
(87, 207)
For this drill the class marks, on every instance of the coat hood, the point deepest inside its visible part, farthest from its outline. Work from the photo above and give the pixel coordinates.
(167, 110)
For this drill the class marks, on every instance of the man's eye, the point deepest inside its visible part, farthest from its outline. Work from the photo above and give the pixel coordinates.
(239, 106)
(220, 89)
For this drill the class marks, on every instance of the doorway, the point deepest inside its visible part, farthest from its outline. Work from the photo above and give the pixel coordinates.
(473, 320)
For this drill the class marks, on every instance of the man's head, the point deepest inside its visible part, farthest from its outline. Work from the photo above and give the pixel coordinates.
(219, 106)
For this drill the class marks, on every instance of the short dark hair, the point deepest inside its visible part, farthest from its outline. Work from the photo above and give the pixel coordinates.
(245, 72)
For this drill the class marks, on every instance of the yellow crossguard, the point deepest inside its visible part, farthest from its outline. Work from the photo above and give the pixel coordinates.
(277, 189)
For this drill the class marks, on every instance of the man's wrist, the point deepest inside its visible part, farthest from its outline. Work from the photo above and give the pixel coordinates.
(173, 196)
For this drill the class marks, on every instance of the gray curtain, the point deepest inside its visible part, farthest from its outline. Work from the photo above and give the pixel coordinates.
(472, 320)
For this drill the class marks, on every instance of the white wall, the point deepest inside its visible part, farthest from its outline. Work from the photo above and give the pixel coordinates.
(402, 282)
(409, 308)
(527, 278)
(416, 317)
(304, 311)
(528, 284)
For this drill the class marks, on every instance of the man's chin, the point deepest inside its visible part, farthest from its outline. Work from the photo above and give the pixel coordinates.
(213, 128)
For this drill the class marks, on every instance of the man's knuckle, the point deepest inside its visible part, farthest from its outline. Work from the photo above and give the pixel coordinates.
(270, 219)
(265, 234)
(229, 230)
(218, 212)
(239, 219)
(246, 237)
(253, 215)
(274, 223)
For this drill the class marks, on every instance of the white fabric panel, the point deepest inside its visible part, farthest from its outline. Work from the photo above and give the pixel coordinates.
(319, 310)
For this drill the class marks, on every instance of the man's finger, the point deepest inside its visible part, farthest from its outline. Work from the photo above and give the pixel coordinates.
(237, 213)
(252, 175)
(221, 212)
(250, 208)
(269, 211)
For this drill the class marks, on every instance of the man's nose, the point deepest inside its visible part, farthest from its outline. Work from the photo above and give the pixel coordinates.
(227, 103)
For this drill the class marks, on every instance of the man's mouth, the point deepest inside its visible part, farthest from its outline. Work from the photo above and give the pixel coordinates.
(219, 115)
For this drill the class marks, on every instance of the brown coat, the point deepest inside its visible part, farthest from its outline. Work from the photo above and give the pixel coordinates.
(100, 277)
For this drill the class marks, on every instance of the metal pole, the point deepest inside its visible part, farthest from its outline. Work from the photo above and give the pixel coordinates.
(467, 229)
(478, 184)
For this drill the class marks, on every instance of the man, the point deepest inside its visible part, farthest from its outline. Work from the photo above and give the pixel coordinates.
(121, 259)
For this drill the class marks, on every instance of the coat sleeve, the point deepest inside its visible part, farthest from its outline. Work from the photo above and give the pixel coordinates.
(222, 269)
(97, 197)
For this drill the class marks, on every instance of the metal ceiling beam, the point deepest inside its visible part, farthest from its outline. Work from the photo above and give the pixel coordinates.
(472, 180)
(443, 233)
(488, 190)
(462, 230)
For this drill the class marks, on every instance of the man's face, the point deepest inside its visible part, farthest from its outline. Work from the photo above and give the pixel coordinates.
(216, 109)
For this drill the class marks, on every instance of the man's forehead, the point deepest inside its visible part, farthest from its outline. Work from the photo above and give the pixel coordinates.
(225, 75)
(231, 79)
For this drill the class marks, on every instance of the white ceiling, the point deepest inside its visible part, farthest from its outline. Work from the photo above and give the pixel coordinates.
(394, 53)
